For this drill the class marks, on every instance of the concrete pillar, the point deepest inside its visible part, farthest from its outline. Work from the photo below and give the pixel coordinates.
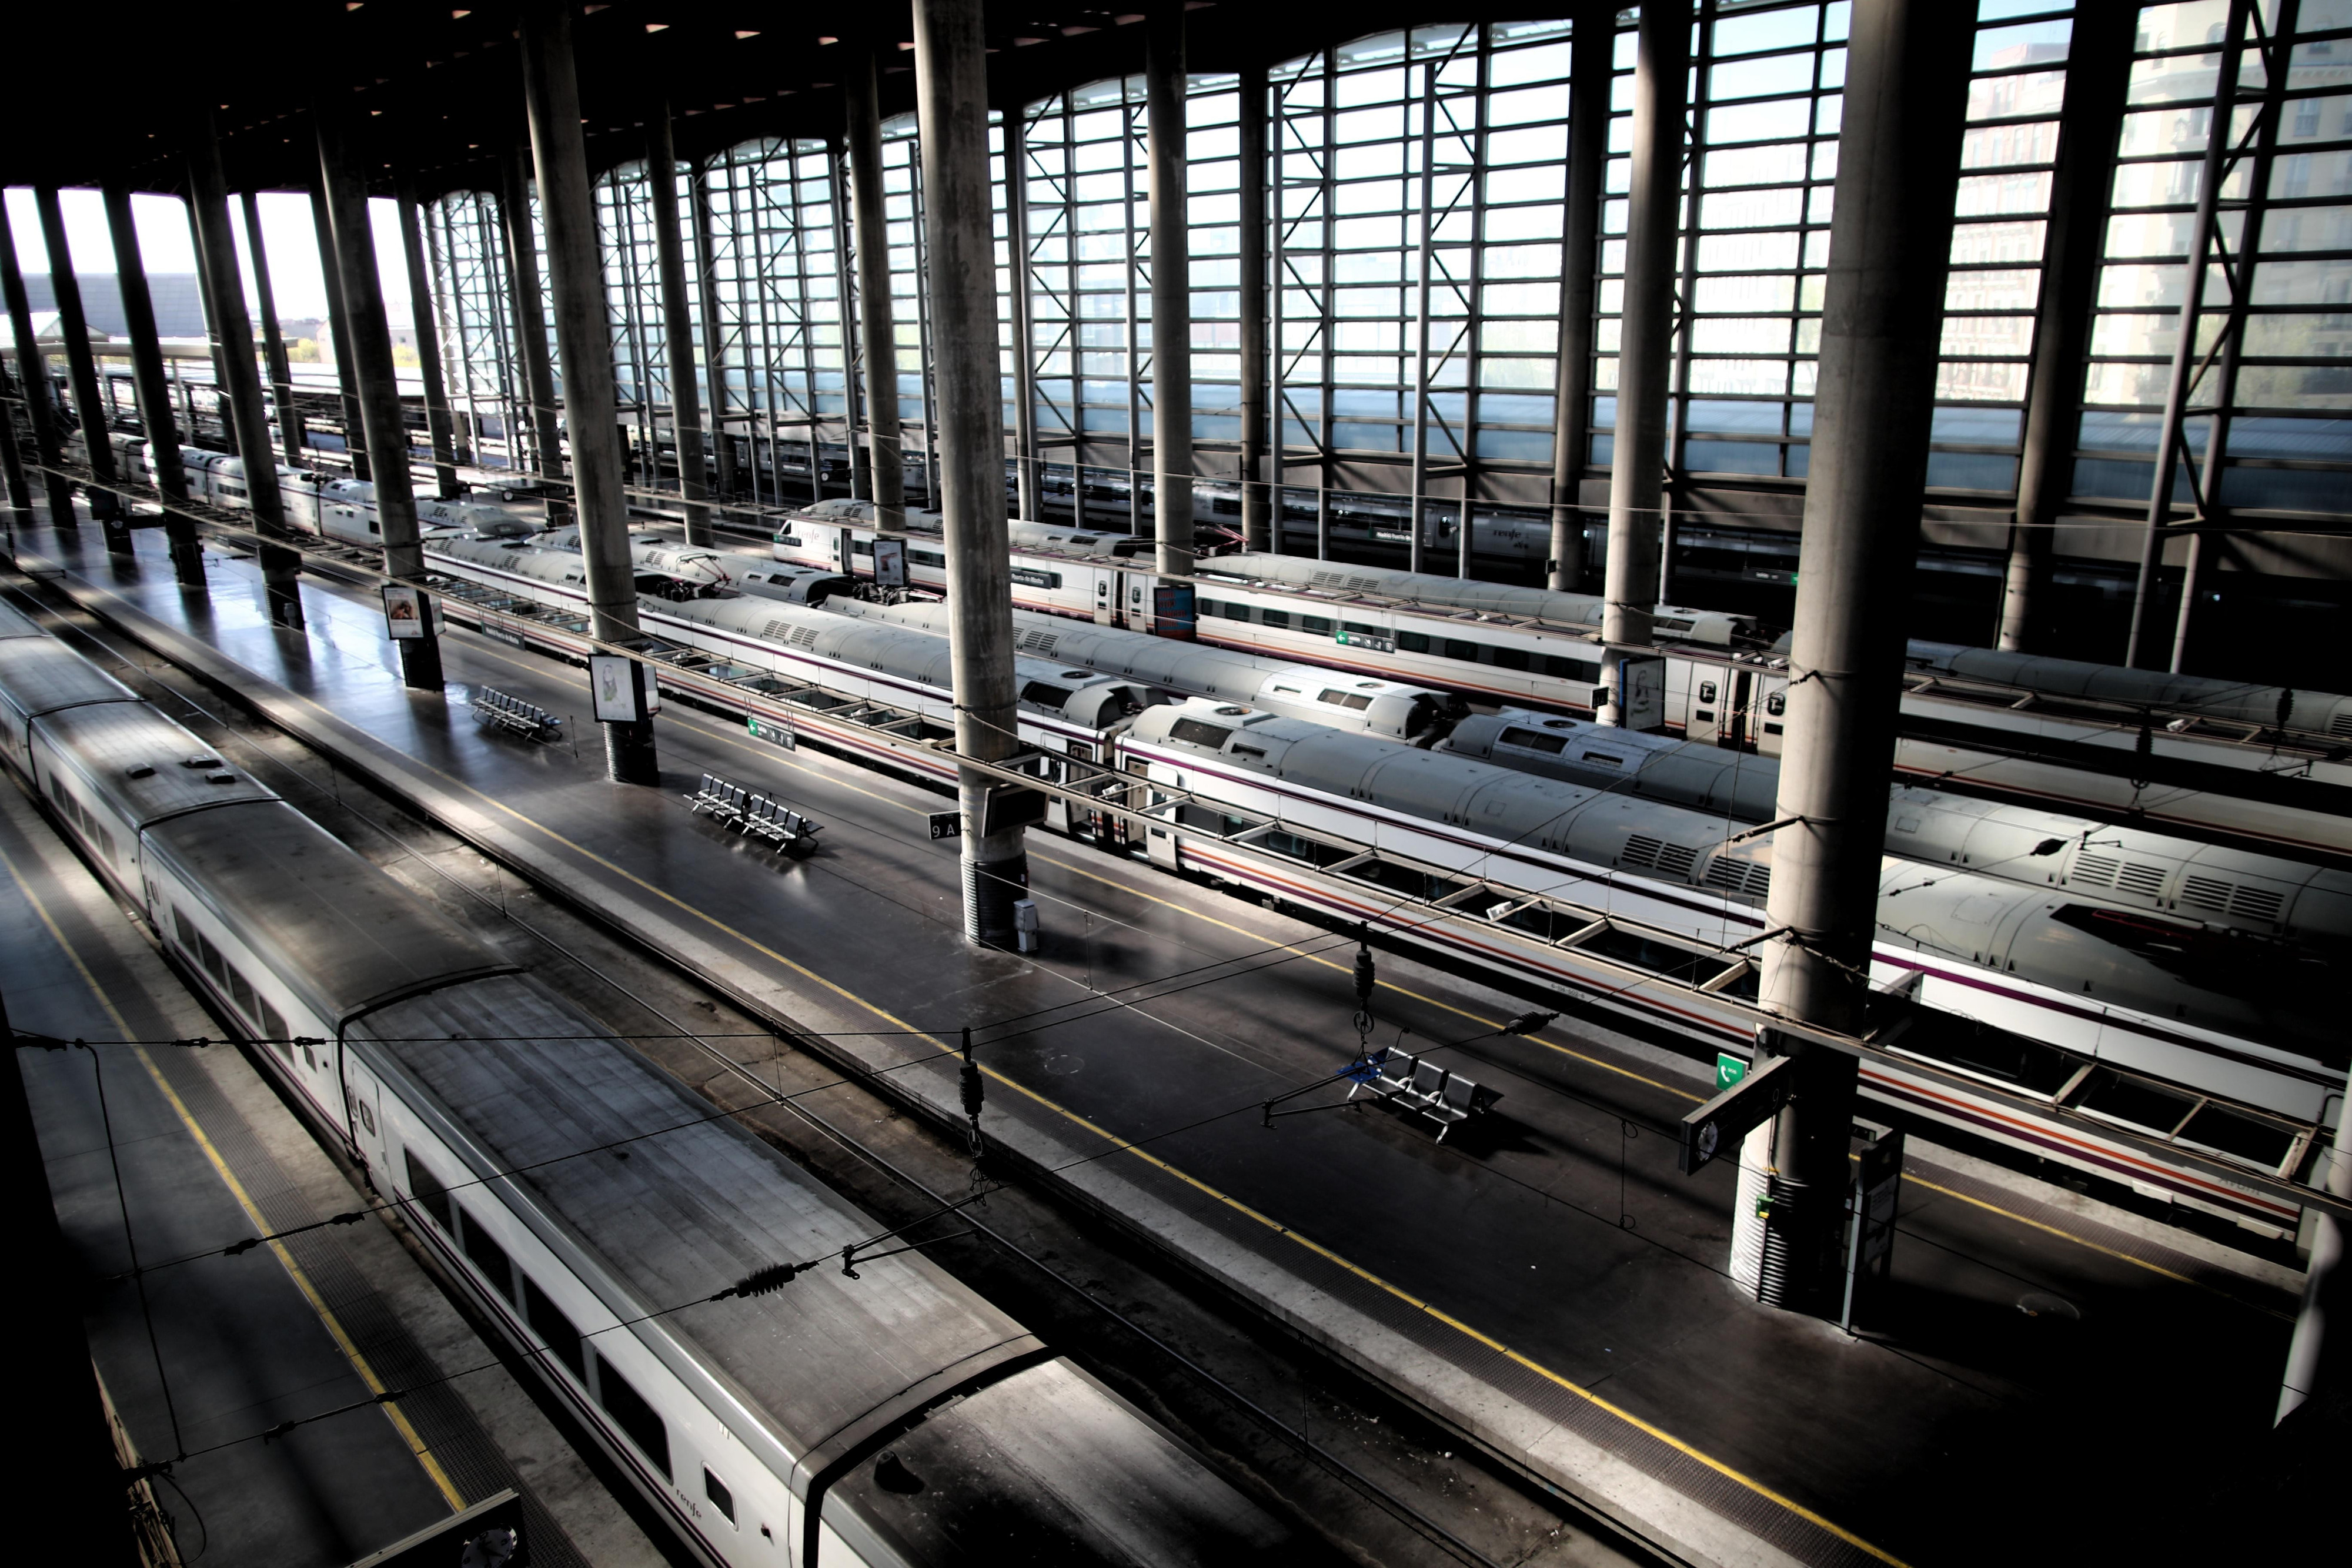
(677, 330)
(1890, 244)
(529, 313)
(338, 328)
(11, 468)
(376, 381)
(33, 381)
(714, 331)
(1260, 516)
(273, 341)
(2317, 1361)
(1171, 287)
(576, 268)
(1025, 362)
(2098, 69)
(876, 328)
(951, 102)
(81, 373)
(155, 415)
(440, 423)
(1591, 80)
(1646, 338)
(232, 352)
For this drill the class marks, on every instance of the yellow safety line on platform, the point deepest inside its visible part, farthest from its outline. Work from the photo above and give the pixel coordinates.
(1749, 1482)
(351, 1352)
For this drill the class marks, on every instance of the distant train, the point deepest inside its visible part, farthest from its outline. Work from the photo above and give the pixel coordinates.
(891, 1418)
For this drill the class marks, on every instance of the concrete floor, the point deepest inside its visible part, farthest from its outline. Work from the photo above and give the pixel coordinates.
(1556, 1229)
(209, 1155)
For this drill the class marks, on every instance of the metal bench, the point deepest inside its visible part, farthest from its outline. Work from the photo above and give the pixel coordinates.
(513, 713)
(1424, 1089)
(757, 816)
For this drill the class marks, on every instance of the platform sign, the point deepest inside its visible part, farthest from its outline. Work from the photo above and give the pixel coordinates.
(1174, 613)
(621, 689)
(409, 612)
(1641, 691)
(1870, 1235)
(1756, 1097)
(890, 563)
(947, 824)
(1728, 1070)
(774, 734)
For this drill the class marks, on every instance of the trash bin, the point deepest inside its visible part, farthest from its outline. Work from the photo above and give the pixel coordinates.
(1024, 924)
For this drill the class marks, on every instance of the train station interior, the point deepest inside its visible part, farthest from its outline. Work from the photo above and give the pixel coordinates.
(986, 784)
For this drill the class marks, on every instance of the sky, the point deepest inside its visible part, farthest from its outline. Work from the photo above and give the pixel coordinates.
(165, 246)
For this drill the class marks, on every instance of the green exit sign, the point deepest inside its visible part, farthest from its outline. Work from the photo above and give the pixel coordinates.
(1728, 1070)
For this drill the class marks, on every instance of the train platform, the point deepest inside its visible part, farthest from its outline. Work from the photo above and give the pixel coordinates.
(1543, 1281)
(159, 1155)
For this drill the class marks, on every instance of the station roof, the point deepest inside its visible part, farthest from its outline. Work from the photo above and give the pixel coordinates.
(436, 91)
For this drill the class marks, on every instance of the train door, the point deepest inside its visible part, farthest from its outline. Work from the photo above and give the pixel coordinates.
(1106, 598)
(363, 1104)
(841, 557)
(1773, 719)
(1732, 735)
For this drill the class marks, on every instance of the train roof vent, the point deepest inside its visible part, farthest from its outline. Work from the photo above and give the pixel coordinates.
(1728, 875)
(2255, 903)
(803, 637)
(2095, 871)
(1641, 850)
(1675, 860)
(777, 630)
(1759, 881)
(2148, 881)
(1040, 643)
(2206, 893)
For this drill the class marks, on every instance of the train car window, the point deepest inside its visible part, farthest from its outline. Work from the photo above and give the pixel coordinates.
(240, 992)
(788, 539)
(1314, 625)
(720, 1498)
(487, 1255)
(1536, 741)
(1196, 733)
(1414, 642)
(1569, 669)
(1457, 649)
(214, 965)
(187, 933)
(633, 1416)
(1277, 619)
(1510, 658)
(861, 547)
(926, 558)
(1358, 701)
(106, 845)
(273, 1027)
(426, 1189)
(550, 1323)
(1234, 610)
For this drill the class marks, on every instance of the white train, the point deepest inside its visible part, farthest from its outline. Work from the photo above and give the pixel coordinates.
(335, 508)
(594, 1209)
(2119, 863)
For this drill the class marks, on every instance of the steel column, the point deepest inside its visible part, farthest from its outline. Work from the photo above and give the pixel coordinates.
(575, 267)
(1024, 364)
(530, 311)
(951, 98)
(1417, 507)
(1646, 340)
(714, 334)
(81, 373)
(375, 378)
(273, 341)
(677, 331)
(1591, 79)
(156, 418)
(439, 418)
(2098, 70)
(339, 324)
(2319, 1356)
(20, 494)
(876, 328)
(232, 340)
(2140, 650)
(1890, 248)
(33, 381)
(1260, 514)
(1171, 287)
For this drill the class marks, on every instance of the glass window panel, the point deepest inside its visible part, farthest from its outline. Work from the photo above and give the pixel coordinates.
(1981, 194)
(1767, 30)
(1754, 378)
(1770, 77)
(2006, 288)
(1731, 456)
(2308, 228)
(1752, 209)
(1527, 106)
(1756, 165)
(1747, 252)
(1733, 295)
(1771, 121)
(1536, 144)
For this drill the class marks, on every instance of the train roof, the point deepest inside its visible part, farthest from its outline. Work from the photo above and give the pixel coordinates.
(674, 1217)
(146, 767)
(326, 918)
(14, 622)
(40, 675)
